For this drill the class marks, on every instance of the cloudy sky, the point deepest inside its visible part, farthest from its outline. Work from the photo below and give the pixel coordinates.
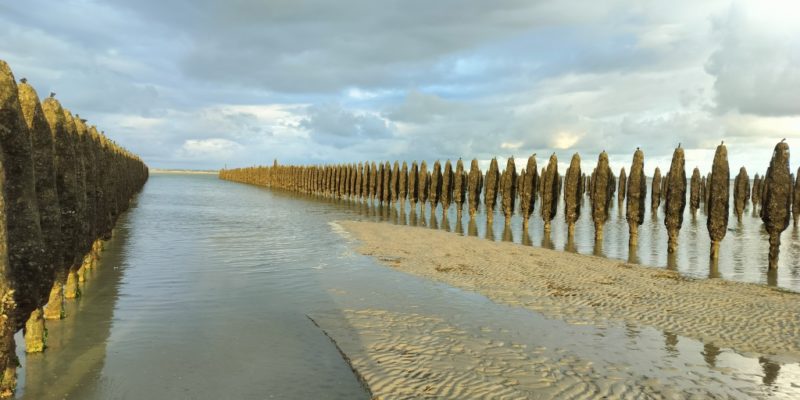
(203, 84)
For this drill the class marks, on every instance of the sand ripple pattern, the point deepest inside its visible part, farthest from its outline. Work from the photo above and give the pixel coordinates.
(748, 318)
(412, 356)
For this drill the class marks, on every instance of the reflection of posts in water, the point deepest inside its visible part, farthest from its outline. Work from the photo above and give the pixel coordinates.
(445, 223)
(434, 221)
(633, 254)
(713, 268)
(772, 277)
(598, 243)
(526, 237)
(393, 217)
(508, 236)
(710, 353)
(571, 246)
(472, 227)
(490, 229)
(412, 217)
(671, 344)
(422, 218)
(459, 227)
(672, 262)
(771, 370)
(547, 242)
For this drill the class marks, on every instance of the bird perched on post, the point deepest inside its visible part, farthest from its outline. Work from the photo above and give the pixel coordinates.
(52, 94)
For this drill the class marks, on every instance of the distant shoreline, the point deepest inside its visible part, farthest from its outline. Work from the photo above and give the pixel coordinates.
(182, 171)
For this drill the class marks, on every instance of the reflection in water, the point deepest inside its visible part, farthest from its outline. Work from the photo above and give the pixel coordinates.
(671, 344)
(445, 223)
(672, 261)
(710, 353)
(526, 238)
(472, 226)
(434, 224)
(412, 217)
(713, 268)
(633, 254)
(772, 277)
(771, 370)
(490, 230)
(547, 242)
(508, 235)
(598, 248)
(459, 227)
(571, 246)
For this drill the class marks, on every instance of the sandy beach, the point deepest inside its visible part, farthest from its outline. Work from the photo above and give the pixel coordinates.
(750, 319)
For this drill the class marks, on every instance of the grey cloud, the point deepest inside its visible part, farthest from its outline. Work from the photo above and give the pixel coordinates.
(756, 71)
(331, 124)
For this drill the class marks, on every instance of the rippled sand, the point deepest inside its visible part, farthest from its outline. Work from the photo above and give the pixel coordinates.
(748, 318)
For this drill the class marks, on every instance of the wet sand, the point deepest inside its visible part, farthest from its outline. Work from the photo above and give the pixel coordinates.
(410, 356)
(748, 318)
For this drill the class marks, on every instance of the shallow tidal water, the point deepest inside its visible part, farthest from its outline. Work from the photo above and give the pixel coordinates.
(206, 289)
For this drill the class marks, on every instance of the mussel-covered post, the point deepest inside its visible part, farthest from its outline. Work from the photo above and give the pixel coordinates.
(459, 188)
(636, 194)
(474, 187)
(777, 200)
(47, 201)
(27, 267)
(796, 198)
(423, 184)
(573, 182)
(490, 191)
(655, 192)
(447, 187)
(756, 194)
(694, 194)
(718, 199)
(413, 177)
(508, 189)
(527, 190)
(402, 183)
(623, 186)
(741, 193)
(549, 184)
(675, 198)
(601, 194)
(436, 186)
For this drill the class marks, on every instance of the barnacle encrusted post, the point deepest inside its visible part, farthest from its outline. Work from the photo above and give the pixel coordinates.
(436, 187)
(447, 188)
(573, 183)
(777, 189)
(528, 181)
(508, 189)
(601, 195)
(675, 198)
(655, 192)
(402, 183)
(549, 184)
(636, 194)
(423, 185)
(741, 193)
(718, 199)
(474, 187)
(413, 192)
(622, 189)
(694, 192)
(459, 188)
(490, 191)
(796, 198)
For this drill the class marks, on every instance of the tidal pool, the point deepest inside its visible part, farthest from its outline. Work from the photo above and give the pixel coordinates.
(206, 291)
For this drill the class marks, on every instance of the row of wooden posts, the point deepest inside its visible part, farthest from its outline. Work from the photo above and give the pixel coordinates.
(385, 183)
(63, 185)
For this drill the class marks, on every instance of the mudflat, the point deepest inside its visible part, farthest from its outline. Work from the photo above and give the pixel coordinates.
(748, 318)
